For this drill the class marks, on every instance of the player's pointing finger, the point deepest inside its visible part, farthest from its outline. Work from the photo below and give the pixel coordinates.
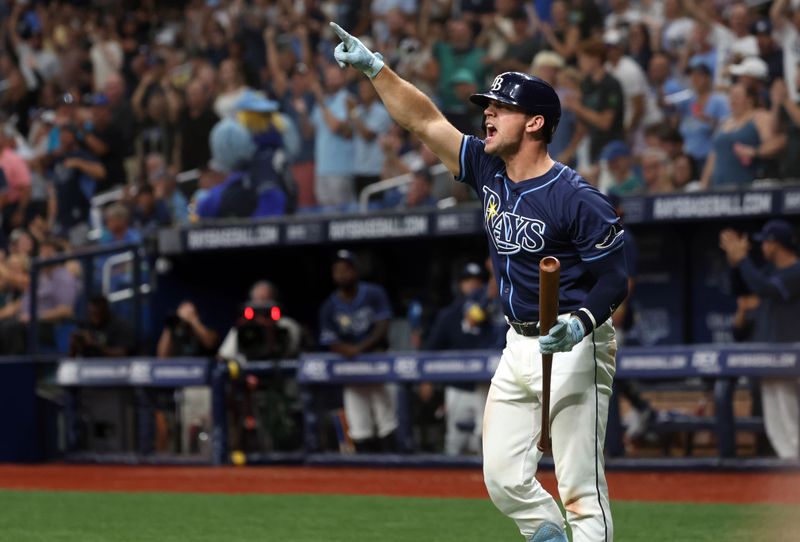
(344, 36)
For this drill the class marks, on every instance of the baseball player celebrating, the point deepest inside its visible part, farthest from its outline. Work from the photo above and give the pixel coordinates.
(533, 207)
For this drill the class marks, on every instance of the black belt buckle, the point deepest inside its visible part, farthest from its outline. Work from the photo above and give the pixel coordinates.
(526, 329)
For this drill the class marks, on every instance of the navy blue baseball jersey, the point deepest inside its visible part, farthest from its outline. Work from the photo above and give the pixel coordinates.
(343, 322)
(557, 214)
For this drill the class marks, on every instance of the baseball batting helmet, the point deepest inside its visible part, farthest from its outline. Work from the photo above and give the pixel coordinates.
(530, 93)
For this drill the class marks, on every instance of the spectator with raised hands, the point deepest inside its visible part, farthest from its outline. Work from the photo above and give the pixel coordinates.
(195, 121)
(735, 156)
(561, 34)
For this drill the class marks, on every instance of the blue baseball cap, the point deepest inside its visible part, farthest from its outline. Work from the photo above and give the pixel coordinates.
(344, 255)
(99, 99)
(780, 231)
(256, 101)
(615, 149)
(698, 63)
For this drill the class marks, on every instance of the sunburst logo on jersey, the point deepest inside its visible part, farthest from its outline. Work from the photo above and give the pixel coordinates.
(491, 210)
(345, 321)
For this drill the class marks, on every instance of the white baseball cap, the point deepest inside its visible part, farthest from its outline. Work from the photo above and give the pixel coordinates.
(751, 66)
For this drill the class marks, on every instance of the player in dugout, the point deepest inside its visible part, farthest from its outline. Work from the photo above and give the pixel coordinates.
(533, 207)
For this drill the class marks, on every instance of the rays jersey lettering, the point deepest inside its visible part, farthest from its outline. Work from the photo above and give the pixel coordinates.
(557, 214)
(510, 232)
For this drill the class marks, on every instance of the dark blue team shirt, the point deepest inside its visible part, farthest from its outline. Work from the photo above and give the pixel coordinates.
(557, 214)
(343, 322)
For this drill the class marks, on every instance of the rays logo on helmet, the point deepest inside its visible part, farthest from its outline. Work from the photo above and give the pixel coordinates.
(497, 84)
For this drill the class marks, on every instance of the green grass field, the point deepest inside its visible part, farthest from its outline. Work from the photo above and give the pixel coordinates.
(36, 516)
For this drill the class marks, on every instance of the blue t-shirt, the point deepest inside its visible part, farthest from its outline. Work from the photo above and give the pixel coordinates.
(343, 322)
(557, 214)
(697, 133)
(369, 154)
(334, 154)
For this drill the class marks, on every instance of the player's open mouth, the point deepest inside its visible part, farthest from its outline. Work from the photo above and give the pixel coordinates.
(490, 130)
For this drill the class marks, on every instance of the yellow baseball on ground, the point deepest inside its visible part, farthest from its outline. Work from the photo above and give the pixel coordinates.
(238, 458)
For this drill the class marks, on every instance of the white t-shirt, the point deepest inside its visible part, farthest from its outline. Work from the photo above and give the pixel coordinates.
(729, 46)
(789, 38)
(633, 81)
(107, 58)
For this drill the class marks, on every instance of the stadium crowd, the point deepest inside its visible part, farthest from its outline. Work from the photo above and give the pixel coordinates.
(118, 117)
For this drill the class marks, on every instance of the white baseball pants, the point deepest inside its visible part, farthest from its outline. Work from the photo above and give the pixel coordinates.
(368, 408)
(580, 391)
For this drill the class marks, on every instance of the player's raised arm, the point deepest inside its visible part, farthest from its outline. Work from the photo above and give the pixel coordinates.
(407, 105)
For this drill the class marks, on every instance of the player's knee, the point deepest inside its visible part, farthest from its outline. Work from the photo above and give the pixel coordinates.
(501, 484)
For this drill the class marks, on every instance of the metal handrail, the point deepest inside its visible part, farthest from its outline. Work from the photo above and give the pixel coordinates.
(392, 182)
(84, 254)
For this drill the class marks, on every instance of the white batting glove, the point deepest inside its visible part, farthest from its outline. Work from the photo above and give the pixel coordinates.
(563, 336)
(354, 53)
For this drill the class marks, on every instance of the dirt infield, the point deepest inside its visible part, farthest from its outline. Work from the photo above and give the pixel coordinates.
(779, 488)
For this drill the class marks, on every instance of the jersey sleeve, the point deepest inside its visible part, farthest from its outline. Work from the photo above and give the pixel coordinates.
(474, 163)
(380, 304)
(595, 228)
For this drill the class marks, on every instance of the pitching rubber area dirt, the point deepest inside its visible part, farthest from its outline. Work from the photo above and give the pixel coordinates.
(777, 488)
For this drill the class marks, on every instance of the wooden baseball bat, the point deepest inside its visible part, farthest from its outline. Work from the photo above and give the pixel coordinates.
(549, 275)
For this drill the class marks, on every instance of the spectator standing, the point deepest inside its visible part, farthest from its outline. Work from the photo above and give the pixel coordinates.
(700, 115)
(355, 320)
(56, 294)
(786, 114)
(121, 111)
(75, 173)
(370, 122)
(676, 29)
(634, 84)
(464, 325)
(232, 86)
(165, 188)
(17, 192)
(457, 52)
(785, 17)
(195, 122)
(561, 34)
(778, 288)
(600, 106)
(333, 142)
(106, 52)
(769, 50)
(747, 125)
(106, 142)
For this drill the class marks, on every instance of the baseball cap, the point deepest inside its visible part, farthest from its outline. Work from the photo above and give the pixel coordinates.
(697, 63)
(615, 149)
(762, 26)
(344, 255)
(780, 231)
(472, 270)
(548, 59)
(752, 67)
(67, 99)
(257, 102)
(99, 99)
(463, 75)
(612, 37)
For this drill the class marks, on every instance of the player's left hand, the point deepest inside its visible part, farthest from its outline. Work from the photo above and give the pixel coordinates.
(562, 337)
(354, 53)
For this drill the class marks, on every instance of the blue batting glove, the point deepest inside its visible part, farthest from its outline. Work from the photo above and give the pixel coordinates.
(562, 337)
(354, 53)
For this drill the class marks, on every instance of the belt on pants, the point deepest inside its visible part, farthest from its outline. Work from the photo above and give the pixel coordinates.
(526, 329)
